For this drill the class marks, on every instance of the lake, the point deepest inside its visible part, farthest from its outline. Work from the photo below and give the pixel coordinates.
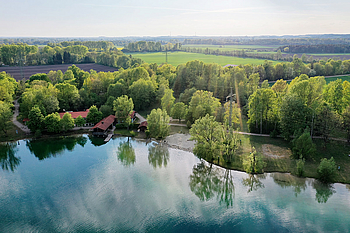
(80, 184)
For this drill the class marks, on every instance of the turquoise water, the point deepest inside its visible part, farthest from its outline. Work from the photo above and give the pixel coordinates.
(78, 185)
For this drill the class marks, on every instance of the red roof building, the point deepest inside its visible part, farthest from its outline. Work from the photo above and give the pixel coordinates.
(83, 114)
(102, 126)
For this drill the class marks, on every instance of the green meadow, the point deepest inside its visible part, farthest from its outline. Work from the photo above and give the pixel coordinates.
(176, 58)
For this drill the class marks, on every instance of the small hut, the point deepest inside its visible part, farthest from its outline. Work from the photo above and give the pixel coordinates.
(102, 127)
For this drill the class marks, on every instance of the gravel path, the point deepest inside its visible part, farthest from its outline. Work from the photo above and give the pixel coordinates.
(24, 128)
(180, 141)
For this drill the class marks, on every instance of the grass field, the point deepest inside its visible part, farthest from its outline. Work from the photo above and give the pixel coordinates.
(231, 47)
(177, 58)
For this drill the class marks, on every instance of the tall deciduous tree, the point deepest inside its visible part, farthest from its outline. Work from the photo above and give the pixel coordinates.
(158, 123)
(67, 122)
(167, 100)
(179, 111)
(52, 123)
(123, 107)
(5, 116)
(36, 119)
(208, 136)
(94, 115)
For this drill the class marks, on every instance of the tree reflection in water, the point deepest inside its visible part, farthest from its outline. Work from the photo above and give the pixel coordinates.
(47, 148)
(253, 182)
(158, 155)
(126, 153)
(207, 182)
(323, 191)
(287, 180)
(8, 159)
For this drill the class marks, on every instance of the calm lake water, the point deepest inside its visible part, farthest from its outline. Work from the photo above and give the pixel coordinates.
(81, 185)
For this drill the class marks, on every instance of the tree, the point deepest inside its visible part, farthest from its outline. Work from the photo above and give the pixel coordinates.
(79, 121)
(293, 115)
(346, 122)
(67, 122)
(143, 93)
(326, 170)
(94, 115)
(179, 111)
(5, 117)
(235, 113)
(123, 107)
(208, 136)
(202, 103)
(52, 123)
(167, 100)
(36, 119)
(230, 143)
(158, 123)
(252, 163)
(326, 121)
(68, 96)
(303, 147)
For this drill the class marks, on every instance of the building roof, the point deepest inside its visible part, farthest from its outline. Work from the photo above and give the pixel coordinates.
(83, 114)
(25, 119)
(104, 123)
(143, 124)
(132, 115)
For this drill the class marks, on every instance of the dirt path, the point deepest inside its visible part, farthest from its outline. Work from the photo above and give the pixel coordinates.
(24, 128)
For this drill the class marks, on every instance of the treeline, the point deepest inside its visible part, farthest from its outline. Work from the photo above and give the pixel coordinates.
(93, 46)
(151, 46)
(26, 55)
(320, 48)
(267, 41)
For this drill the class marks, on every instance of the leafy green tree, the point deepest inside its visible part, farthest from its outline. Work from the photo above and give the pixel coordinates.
(143, 93)
(67, 122)
(202, 103)
(5, 117)
(326, 170)
(293, 115)
(261, 103)
(235, 113)
(230, 143)
(40, 76)
(106, 110)
(326, 122)
(158, 123)
(167, 100)
(94, 116)
(179, 111)
(208, 136)
(303, 147)
(68, 96)
(36, 119)
(79, 121)
(346, 122)
(333, 94)
(123, 107)
(253, 164)
(52, 123)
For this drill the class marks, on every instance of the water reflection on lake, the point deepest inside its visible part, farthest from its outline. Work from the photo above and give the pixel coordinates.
(72, 185)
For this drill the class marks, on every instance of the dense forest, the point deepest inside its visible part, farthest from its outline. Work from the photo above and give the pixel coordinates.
(151, 46)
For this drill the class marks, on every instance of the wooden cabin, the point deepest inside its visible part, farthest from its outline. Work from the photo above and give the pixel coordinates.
(102, 127)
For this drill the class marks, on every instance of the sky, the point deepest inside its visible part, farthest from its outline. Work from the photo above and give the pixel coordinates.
(119, 18)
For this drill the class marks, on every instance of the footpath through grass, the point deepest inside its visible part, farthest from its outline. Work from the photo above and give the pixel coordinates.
(177, 58)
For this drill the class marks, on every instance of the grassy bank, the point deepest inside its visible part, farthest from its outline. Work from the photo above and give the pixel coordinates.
(276, 153)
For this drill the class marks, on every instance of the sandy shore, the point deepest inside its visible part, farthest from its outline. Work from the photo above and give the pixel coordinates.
(180, 141)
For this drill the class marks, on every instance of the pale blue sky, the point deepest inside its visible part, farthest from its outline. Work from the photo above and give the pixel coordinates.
(87, 18)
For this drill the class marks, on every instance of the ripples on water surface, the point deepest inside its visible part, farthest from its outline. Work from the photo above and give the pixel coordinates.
(82, 185)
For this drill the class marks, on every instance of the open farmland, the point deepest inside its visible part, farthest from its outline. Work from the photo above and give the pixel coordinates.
(28, 71)
(232, 47)
(176, 58)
